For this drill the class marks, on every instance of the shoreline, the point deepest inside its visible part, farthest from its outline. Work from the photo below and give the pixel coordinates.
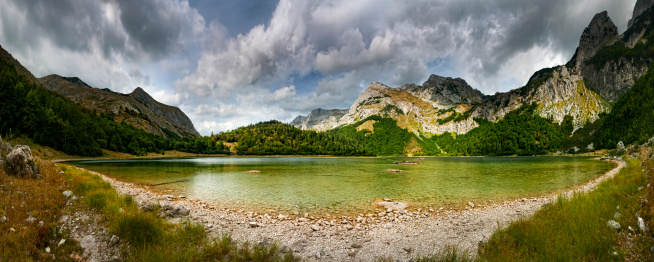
(383, 233)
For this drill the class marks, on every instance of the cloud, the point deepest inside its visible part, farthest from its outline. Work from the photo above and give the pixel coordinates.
(306, 54)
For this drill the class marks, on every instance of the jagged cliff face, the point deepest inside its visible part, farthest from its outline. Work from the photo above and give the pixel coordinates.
(414, 107)
(582, 89)
(138, 108)
(600, 32)
(562, 92)
(613, 77)
(444, 92)
(641, 7)
(319, 119)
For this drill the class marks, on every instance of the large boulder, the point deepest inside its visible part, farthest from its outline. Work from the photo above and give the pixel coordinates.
(21, 163)
(620, 149)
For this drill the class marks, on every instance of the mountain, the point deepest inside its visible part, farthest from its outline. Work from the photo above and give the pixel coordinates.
(605, 65)
(319, 119)
(416, 108)
(138, 109)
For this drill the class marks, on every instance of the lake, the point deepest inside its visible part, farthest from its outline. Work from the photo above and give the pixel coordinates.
(352, 184)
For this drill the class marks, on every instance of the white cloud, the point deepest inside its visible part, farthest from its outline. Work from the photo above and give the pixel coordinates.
(221, 82)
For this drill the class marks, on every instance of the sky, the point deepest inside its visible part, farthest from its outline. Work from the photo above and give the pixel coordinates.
(230, 63)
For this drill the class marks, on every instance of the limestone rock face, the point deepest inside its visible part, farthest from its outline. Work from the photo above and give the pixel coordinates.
(416, 108)
(20, 162)
(614, 77)
(319, 119)
(561, 93)
(641, 6)
(445, 92)
(600, 31)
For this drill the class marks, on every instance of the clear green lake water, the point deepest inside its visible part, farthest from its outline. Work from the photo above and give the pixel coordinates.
(328, 184)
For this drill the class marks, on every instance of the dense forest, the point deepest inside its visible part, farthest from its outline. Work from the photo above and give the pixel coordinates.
(52, 120)
(632, 118)
(276, 138)
(385, 138)
(520, 132)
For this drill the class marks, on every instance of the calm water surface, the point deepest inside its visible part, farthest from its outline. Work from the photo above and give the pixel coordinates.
(315, 184)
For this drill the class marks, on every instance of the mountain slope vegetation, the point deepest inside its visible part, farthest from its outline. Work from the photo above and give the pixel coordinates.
(52, 120)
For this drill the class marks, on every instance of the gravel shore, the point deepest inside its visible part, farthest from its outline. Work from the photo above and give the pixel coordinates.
(396, 234)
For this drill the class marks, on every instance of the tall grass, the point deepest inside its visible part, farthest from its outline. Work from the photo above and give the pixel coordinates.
(150, 238)
(575, 228)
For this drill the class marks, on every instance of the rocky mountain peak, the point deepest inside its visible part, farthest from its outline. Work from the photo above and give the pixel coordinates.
(138, 109)
(600, 31)
(445, 91)
(319, 119)
(641, 6)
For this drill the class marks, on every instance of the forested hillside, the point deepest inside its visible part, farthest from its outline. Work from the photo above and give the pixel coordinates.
(52, 120)
(276, 138)
(632, 117)
(520, 132)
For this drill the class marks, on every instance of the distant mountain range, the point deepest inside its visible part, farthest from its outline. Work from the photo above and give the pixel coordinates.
(604, 66)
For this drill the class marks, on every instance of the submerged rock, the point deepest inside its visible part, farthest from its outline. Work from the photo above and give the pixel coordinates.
(393, 205)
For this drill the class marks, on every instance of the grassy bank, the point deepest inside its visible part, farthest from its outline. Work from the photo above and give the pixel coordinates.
(576, 229)
(29, 210)
(145, 236)
(151, 238)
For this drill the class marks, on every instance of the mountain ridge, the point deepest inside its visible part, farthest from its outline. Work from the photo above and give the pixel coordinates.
(583, 88)
(137, 108)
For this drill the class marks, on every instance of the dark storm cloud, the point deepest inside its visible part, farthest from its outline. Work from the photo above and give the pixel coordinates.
(67, 23)
(153, 25)
(146, 29)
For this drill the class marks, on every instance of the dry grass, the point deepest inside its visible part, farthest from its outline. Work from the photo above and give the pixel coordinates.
(21, 198)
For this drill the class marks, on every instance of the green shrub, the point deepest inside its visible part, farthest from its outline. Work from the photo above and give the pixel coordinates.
(139, 228)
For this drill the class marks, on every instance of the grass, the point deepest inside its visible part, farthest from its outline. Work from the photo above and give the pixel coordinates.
(575, 228)
(152, 239)
(42, 199)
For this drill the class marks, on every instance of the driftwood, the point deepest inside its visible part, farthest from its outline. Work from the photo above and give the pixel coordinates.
(405, 163)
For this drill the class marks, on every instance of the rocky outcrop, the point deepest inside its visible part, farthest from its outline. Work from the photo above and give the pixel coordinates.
(138, 108)
(561, 92)
(641, 6)
(444, 92)
(319, 119)
(170, 114)
(613, 78)
(599, 32)
(20, 162)
(610, 75)
(417, 108)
